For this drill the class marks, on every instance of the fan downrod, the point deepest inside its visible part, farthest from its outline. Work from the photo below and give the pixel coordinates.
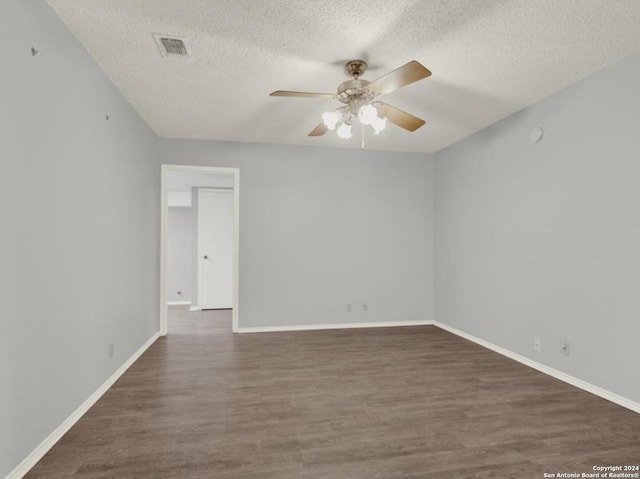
(356, 68)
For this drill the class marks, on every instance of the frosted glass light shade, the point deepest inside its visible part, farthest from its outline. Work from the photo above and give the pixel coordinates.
(331, 119)
(344, 131)
(378, 125)
(367, 114)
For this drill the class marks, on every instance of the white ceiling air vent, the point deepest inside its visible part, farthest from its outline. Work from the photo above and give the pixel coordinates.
(175, 48)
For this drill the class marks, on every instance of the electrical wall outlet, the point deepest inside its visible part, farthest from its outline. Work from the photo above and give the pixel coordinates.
(365, 306)
(111, 350)
(564, 346)
(537, 345)
(349, 308)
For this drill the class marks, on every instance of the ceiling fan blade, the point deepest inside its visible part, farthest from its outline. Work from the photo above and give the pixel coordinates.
(319, 130)
(399, 117)
(403, 76)
(301, 94)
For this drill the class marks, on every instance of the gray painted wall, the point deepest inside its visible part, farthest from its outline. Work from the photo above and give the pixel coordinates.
(79, 203)
(544, 239)
(180, 253)
(324, 227)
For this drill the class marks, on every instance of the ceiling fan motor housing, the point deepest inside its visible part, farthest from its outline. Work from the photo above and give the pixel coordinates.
(356, 68)
(354, 91)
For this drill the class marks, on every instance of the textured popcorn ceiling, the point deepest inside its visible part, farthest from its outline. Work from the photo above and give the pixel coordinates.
(489, 58)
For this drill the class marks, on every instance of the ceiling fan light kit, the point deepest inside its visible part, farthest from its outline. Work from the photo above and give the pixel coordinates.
(344, 131)
(367, 114)
(331, 119)
(342, 118)
(358, 97)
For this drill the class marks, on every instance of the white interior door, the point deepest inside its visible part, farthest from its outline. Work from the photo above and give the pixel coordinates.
(215, 248)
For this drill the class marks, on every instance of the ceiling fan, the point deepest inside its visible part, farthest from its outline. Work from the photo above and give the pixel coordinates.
(359, 95)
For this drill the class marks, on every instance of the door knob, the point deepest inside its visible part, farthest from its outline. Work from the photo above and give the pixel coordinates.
(205, 257)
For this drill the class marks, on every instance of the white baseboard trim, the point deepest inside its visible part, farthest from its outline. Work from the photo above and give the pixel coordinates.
(195, 308)
(579, 383)
(37, 454)
(316, 327)
(178, 303)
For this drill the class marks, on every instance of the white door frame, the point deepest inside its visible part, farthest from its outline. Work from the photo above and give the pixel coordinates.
(164, 208)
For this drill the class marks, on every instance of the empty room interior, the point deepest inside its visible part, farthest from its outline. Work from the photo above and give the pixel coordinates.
(320, 239)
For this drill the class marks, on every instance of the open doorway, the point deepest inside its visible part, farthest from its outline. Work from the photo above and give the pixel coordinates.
(199, 241)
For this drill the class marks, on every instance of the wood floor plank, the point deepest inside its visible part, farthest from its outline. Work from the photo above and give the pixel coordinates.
(389, 403)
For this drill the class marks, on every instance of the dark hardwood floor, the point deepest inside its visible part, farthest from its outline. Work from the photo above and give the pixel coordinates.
(388, 403)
